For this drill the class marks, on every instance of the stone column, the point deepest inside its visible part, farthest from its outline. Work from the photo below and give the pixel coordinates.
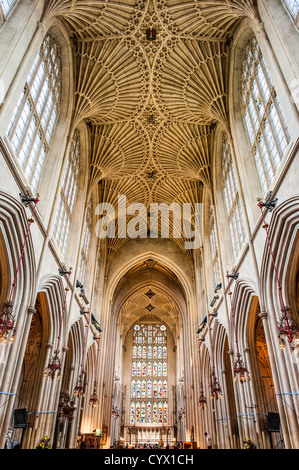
(15, 358)
(58, 421)
(285, 429)
(70, 414)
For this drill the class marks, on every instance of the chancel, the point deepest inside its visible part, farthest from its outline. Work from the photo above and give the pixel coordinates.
(149, 275)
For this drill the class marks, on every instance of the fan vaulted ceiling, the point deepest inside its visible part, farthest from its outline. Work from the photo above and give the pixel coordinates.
(151, 83)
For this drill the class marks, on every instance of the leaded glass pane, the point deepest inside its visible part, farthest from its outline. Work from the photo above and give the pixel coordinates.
(31, 127)
(293, 7)
(264, 120)
(7, 6)
(231, 198)
(149, 363)
(68, 196)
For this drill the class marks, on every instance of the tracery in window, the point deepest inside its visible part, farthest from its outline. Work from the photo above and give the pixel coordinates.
(7, 6)
(214, 248)
(264, 119)
(292, 7)
(85, 245)
(68, 195)
(35, 115)
(231, 197)
(149, 389)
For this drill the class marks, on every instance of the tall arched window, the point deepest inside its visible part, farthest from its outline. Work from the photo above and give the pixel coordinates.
(231, 197)
(264, 120)
(214, 248)
(7, 6)
(149, 390)
(85, 245)
(68, 195)
(34, 118)
(292, 7)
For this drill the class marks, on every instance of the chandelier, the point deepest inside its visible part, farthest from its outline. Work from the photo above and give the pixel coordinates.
(53, 367)
(7, 323)
(202, 402)
(287, 327)
(94, 401)
(54, 364)
(216, 391)
(215, 388)
(241, 373)
(79, 389)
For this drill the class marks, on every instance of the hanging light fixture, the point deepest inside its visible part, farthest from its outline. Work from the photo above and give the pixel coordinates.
(94, 401)
(202, 402)
(54, 365)
(240, 370)
(7, 320)
(216, 391)
(287, 327)
(7, 323)
(241, 373)
(79, 390)
(80, 387)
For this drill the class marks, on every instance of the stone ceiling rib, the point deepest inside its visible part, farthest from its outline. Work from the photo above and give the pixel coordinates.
(151, 85)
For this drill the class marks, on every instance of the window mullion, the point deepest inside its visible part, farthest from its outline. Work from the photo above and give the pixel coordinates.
(20, 111)
(263, 132)
(33, 140)
(31, 117)
(262, 163)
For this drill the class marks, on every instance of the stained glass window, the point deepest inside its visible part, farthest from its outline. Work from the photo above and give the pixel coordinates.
(292, 7)
(68, 196)
(231, 196)
(34, 118)
(264, 120)
(149, 389)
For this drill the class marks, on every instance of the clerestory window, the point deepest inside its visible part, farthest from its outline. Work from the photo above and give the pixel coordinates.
(266, 126)
(33, 121)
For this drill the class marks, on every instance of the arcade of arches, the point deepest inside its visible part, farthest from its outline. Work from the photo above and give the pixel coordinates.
(121, 336)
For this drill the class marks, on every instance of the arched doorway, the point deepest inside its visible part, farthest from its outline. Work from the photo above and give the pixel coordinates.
(268, 407)
(147, 378)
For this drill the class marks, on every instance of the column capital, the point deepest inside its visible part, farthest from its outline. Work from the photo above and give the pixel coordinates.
(263, 315)
(41, 26)
(32, 310)
(260, 29)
